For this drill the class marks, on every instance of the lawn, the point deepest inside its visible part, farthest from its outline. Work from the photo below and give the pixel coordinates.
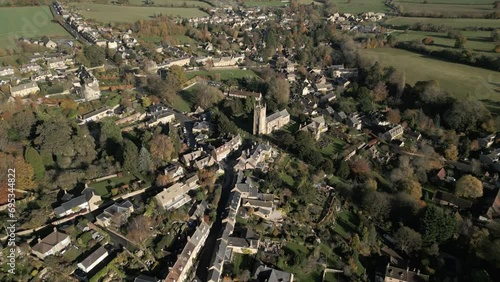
(103, 188)
(224, 74)
(273, 3)
(476, 40)
(335, 146)
(114, 14)
(347, 223)
(453, 23)
(71, 254)
(287, 179)
(27, 22)
(181, 102)
(459, 80)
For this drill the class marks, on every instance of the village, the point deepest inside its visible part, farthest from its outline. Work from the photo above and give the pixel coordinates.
(280, 182)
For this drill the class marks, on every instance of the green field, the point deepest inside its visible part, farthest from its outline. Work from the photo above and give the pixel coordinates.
(457, 79)
(115, 14)
(224, 74)
(457, 9)
(476, 40)
(466, 2)
(360, 6)
(27, 22)
(176, 3)
(453, 23)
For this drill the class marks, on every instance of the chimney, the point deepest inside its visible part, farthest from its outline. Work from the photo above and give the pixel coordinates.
(55, 229)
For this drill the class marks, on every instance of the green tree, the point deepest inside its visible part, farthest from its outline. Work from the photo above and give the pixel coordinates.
(53, 136)
(110, 132)
(94, 55)
(224, 125)
(130, 156)
(469, 186)
(35, 160)
(436, 225)
(145, 164)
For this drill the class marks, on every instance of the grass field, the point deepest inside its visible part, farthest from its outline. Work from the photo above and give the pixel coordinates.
(114, 14)
(360, 6)
(471, 2)
(224, 74)
(459, 80)
(456, 9)
(272, 3)
(190, 3)
(27, 22)
(476, 40)
(453, 23)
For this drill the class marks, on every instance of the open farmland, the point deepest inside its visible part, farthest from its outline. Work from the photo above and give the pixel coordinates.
(452, 23)
(115, 14)
(27, 22)
(476, 40)
(360, 6)
(174, 3)
(459, 80)
(447, 9)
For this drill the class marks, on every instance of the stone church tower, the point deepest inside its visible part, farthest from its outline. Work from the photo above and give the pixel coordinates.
(259, 119)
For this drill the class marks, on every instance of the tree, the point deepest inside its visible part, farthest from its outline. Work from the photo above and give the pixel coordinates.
(436, 225)
(360, 166)
(35, 160)
(466, 114)
(407, 239)
(279, 90)
(54, 137)
(428, 41)
(394, 116)
(161, 148)
(460, 41)
(130, 156)
(469, 186)
(376, 204)
(110, 132)
(24, 174)
(206, 96)
(224, 125)
(94, 55)
(379, 92)
(343, 171)
(411, 187)
(145, 164)
(451, 153)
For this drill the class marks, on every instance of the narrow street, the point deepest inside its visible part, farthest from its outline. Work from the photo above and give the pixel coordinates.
(207, 251)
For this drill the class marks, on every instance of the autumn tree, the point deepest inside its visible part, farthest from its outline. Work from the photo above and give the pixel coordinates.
(394, 116)
(428, 41)
(360, 166)
(379, 92)
(163, 180)
(411, 187)
(407, 239)
(206, 96)
(279, 90)
(161, 148)
(469, 186)
(451, 153)
(24, 174)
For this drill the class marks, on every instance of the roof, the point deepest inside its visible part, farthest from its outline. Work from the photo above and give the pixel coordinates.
(245, 94)
(452, 199)
(47, 243)
(25, 86)
(145, 278)
(267, 274)
(88, 261)
(281, 114)
(66, 206)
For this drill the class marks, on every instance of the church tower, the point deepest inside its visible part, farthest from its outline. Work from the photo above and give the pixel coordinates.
(259, 119)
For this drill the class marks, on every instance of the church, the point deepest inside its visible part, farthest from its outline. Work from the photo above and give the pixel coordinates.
(263, 124)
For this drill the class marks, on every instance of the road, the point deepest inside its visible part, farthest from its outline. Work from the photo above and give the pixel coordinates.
(207, 251)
